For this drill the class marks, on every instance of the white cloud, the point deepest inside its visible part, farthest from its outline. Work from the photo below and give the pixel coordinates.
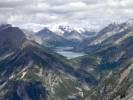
(82, 13)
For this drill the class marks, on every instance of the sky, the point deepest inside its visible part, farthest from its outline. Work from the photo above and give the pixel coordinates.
(35, 14)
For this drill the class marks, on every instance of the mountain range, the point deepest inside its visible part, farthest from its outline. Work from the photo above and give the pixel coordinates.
(111, 52)
(30, 70)
(63, 36)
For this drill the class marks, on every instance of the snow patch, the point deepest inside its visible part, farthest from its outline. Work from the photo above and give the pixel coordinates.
(124, 37)
(2, 85)
(5, 56)
(23, 74)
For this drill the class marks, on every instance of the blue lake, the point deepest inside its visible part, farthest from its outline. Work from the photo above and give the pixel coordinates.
(66, 52)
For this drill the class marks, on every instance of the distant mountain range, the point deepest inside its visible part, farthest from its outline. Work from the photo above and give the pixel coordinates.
(63, 36)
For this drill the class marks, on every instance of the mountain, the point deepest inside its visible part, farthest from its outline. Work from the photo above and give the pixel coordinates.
(9, 39)
(63, 35)
(30, 35)
(77, 34)
(116, 86)
(71, 34)
(114, 31)
(49, 38)
(113, 34)
(61, 29)
(109, 55)
(110, 59)
(29, 71)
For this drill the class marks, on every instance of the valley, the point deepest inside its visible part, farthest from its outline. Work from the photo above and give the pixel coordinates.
(97, 68)
(66, 49)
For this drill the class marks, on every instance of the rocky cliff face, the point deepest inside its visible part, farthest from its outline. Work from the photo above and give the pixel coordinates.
(117, 86)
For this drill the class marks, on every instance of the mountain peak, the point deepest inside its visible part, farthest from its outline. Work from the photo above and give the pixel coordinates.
(10, 37)
(65, 28)
(4, 26)
(70, 29)
(130, 22)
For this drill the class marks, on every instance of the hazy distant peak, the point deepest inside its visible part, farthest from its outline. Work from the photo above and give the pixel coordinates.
(130, 22)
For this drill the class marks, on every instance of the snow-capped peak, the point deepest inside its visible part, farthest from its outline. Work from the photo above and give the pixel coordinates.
(66, 28)
(130, 22)
(56, 30)
(70, 29)
(61, 29)
(80, 30)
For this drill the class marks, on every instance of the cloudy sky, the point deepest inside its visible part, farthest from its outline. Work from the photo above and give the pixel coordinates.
(79, 13)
